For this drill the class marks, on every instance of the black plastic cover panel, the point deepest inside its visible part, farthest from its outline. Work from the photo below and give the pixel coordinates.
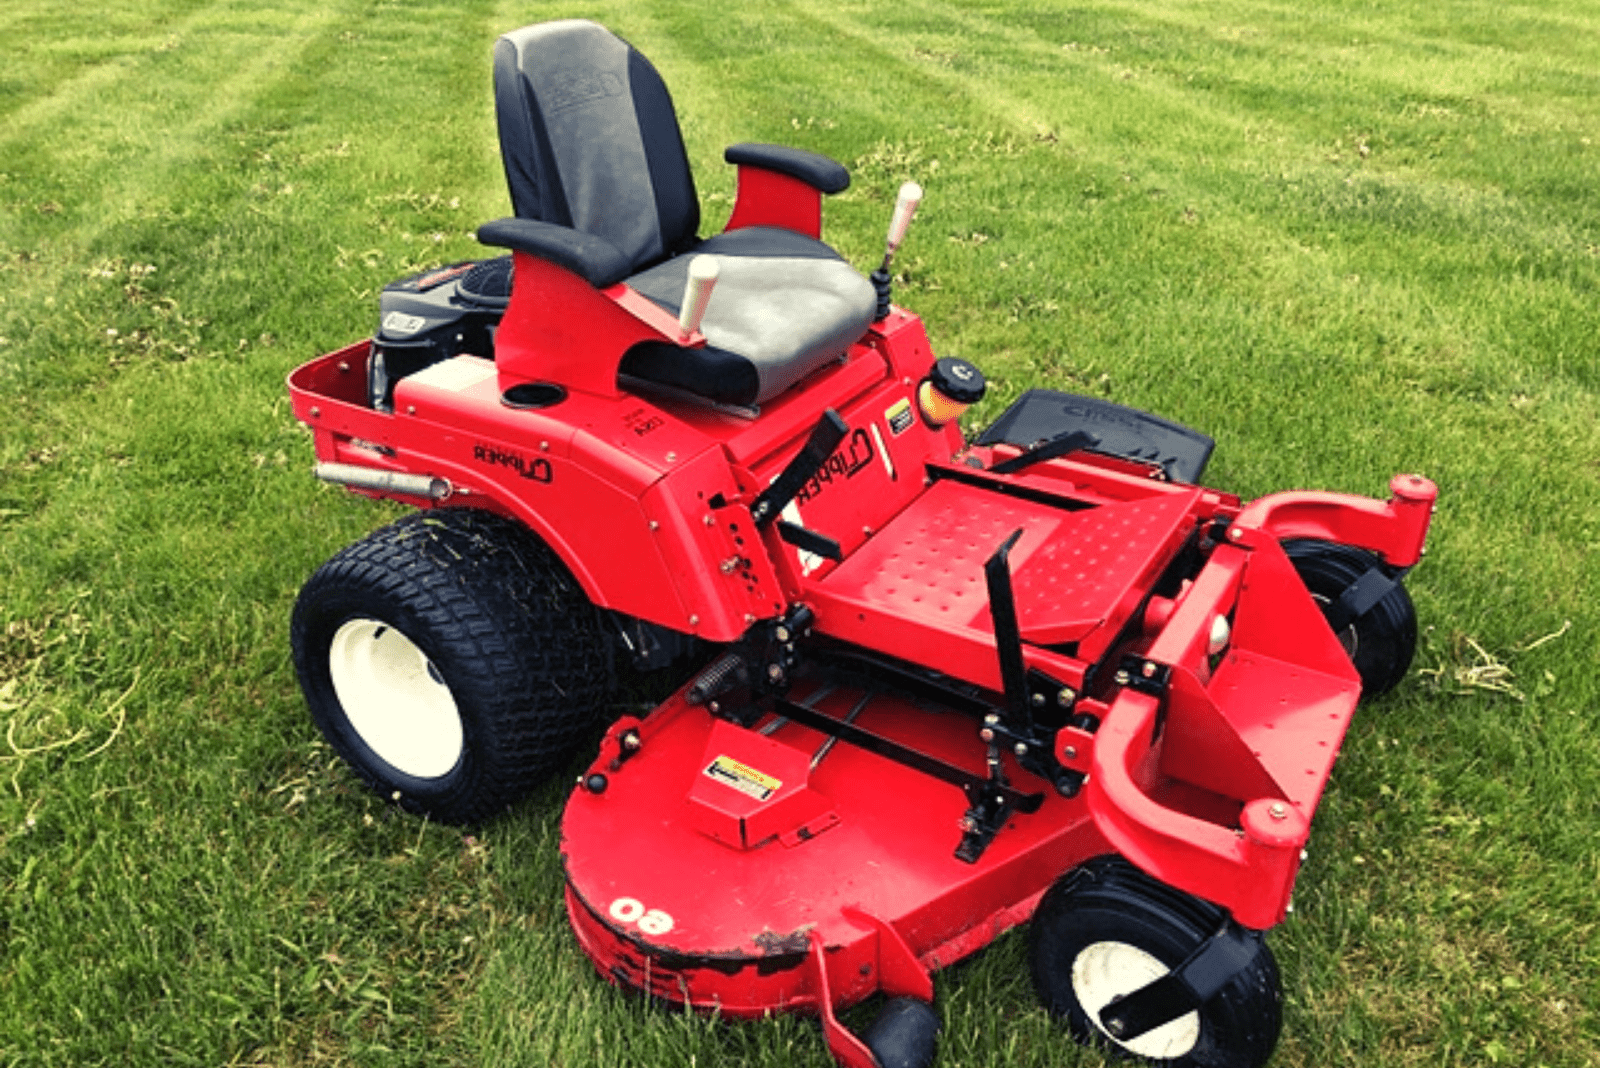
(1040, 414)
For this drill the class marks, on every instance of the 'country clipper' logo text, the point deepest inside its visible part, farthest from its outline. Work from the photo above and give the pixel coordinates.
(538, 469)
(849, 459)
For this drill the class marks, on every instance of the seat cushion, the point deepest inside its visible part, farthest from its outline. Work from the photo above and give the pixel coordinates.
(784, 305)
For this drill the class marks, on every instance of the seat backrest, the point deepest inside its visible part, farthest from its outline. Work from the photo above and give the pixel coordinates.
(590, 139)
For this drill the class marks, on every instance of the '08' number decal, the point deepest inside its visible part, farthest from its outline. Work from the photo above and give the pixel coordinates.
(632, 910)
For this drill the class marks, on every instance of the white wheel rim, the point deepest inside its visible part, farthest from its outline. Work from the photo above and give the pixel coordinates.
(395, 699)
(1107, 970)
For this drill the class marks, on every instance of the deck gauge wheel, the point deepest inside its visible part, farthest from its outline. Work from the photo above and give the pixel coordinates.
(905, 1034)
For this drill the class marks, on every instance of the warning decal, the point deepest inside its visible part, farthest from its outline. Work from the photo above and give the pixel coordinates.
(743, 777)
(898, 416)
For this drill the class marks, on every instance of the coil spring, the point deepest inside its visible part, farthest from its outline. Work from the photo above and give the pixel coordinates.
(723, 673)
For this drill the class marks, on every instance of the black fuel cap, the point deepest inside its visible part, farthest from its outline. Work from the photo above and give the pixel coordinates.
(958, 379)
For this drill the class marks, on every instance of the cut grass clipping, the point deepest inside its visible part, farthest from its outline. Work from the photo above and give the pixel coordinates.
(1346, 240)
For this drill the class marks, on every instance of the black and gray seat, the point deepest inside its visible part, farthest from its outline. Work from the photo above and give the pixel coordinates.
(601, 186)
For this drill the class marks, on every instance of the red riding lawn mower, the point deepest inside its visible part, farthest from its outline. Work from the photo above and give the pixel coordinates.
(933, 688)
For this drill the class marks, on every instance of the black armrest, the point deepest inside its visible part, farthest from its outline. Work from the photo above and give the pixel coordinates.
(594, 259)
(817, 171)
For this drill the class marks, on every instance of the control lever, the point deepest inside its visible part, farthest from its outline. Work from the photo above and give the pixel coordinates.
(1060, 445)
(905, 206)
(703, 273)
(825, 437)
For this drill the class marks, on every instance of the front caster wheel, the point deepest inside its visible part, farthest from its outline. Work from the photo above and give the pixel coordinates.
(451, 660)
(1105, 930)
(1381, 642)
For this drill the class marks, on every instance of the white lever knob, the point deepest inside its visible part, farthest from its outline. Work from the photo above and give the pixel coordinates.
(703, 272)
(904, 208)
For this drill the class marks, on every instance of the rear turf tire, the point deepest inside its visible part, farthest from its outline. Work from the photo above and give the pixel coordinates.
(1105, 929)
(451, 660)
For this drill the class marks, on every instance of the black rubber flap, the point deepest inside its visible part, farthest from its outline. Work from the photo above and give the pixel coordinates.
(1040, 414)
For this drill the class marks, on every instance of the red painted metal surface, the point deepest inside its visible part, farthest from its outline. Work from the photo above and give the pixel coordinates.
(767, 198)
(1078, 575)
(857, 852)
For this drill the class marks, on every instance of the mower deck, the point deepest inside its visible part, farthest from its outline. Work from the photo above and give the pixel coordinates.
(729, 850)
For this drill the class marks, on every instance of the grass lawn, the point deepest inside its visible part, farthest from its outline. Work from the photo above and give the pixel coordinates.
(1345, 239)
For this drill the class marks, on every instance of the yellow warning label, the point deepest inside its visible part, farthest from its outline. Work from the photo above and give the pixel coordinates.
(743, 777)
(898, 416)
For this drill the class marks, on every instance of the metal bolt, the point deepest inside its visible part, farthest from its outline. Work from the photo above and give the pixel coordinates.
(1235, 534)
(986, 734)
(1038, 700)
(1066, 697)
(991, 719)
(781, 633)
(1116, 1026)
(344, 367)
(671, 457)
(710, 520)
(411, 409)
(631, 742)
(774, 672)
(1278, 811)
(1122, 678)
(694, 621)
(866, 532)
(544, 446)
(316, 413)
(1021, 749)
(654, 525)
(749, 619)
(728, 566)
(714, 707)
(1072, 752)
(1149, 669)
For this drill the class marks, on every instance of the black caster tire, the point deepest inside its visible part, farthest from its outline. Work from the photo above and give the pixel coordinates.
(1105, 929)
(451, 660)
(905, 1034)
(1381, 643)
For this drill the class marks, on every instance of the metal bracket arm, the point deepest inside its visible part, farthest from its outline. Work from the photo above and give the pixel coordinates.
(1362, 596)
(1212, 966)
